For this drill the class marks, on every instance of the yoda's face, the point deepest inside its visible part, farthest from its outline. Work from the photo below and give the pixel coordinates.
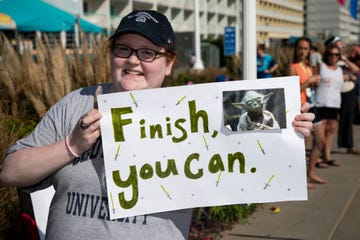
(253, 102)
(254, 105)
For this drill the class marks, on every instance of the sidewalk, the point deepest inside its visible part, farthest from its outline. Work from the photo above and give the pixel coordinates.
(332, 211)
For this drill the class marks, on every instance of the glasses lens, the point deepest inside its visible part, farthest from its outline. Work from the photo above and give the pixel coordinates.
(122, 51)
(335, 54)
(146, 54)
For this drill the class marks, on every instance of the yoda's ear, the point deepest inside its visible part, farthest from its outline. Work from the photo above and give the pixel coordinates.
(239, 105)
(267, 96)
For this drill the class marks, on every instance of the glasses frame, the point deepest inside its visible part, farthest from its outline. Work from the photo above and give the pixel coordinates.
(334, 54)
(132, 50)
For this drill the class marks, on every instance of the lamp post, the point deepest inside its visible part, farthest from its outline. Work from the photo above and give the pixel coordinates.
(249, 39)
(76, 24)
(198, 65)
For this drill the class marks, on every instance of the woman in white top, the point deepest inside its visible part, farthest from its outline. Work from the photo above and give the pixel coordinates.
(328, 101)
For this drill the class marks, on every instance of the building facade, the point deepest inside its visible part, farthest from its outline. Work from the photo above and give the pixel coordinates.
(277, 21)
(325, 18)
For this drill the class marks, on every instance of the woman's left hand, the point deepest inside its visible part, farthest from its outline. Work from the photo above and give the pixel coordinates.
(303, 122)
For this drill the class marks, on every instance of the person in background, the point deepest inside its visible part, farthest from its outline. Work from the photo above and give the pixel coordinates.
(266, 64)
(345, 138)
(192, 59)
(315, 59)
(328, 101)
(221, 78)
(300, 66)
(65, 149)
(355, 58)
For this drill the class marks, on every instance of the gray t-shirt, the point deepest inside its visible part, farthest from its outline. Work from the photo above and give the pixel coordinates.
(79, 208)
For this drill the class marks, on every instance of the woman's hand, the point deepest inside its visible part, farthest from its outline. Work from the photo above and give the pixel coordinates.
(303, 122)
(87, 130)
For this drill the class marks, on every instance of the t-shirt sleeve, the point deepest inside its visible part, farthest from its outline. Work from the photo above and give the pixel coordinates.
(53, 127)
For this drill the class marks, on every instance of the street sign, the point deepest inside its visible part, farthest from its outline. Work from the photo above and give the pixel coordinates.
(229, 41)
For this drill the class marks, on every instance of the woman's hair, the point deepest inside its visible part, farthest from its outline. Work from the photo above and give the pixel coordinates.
(297, 42)
(326, 54)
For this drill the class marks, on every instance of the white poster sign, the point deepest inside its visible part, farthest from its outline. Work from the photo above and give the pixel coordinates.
(202, 145)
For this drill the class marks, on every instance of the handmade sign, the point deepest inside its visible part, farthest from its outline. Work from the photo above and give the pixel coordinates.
(202, 145)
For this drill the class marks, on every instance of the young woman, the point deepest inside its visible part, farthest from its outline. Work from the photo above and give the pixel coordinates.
(328, 100)
(300, 66)
(65, 149)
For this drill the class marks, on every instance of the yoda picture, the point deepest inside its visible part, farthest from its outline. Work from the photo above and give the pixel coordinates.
(249, 110)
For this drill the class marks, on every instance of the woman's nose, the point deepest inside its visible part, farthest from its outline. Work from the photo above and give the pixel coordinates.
(134, 58)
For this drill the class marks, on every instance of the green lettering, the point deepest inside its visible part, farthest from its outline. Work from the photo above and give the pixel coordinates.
(131, 181)
(142, 128)
(184, 133)
(171, 168)
(187, 169)
(216, 164)
(168, 127)
(236, 156)
(118, 122)
(146, 171)
(156, 129)
(194, 118)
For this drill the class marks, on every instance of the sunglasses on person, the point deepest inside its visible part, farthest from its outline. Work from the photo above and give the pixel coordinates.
(334, 54)
(143, 54)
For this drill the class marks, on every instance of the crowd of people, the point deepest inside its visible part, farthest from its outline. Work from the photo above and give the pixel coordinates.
(330, 83)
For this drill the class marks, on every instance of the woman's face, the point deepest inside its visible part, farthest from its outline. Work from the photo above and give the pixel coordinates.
(302, 50)
(129, 74)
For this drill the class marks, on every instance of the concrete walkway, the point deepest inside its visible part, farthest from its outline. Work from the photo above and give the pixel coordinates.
(332, 211)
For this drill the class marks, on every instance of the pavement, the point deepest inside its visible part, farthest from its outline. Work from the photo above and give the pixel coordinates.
(332, 211)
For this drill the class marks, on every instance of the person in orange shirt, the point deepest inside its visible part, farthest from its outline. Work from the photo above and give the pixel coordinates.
(300, 66)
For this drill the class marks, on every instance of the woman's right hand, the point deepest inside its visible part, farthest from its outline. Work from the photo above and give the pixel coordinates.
(315, 80)
(87, 130)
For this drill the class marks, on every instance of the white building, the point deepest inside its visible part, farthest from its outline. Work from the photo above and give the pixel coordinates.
(325, 18)
(214, 14)
(277, 20)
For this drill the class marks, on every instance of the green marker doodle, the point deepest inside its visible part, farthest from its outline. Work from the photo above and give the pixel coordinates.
(260, 146)
(134, 100)
(167, 194)
(206, 145)
(182, 99)
(112, 202)
(268, 182)
(218, 180)
(117, 152)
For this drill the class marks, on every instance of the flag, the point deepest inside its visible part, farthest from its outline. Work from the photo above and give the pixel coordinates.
(351, 6)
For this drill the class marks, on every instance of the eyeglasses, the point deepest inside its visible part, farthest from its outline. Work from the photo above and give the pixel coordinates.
(143, 54)
(334, 54)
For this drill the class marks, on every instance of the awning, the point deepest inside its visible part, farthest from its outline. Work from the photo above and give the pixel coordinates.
(37, 15)
(6, 22)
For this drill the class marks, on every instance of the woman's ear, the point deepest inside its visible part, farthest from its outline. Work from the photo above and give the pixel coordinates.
(169, 65)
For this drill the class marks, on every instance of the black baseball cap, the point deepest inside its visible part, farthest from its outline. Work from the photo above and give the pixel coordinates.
(149, 23)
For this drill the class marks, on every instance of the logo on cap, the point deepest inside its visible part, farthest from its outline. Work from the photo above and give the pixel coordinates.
(142, 16)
